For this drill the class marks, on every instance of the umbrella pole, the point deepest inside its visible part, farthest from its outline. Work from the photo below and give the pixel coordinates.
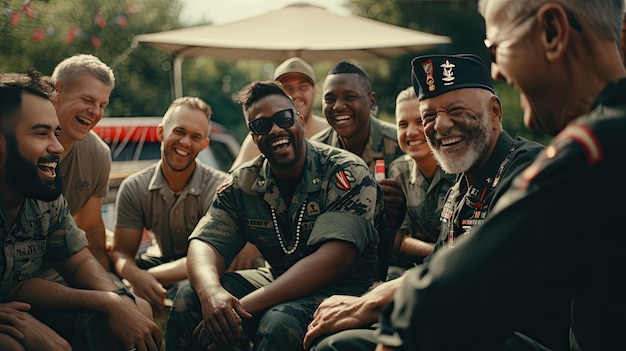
(178, 76)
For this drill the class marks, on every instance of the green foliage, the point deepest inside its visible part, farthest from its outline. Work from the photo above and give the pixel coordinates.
(142, 87)
(457, 19)
(144, 75)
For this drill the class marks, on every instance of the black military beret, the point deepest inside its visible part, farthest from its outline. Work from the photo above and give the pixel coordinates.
(434, 75)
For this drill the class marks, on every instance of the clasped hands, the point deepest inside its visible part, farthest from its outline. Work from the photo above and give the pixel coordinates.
(221, 323)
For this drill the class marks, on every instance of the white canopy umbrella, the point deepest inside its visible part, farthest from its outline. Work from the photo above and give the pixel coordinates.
(303, 30)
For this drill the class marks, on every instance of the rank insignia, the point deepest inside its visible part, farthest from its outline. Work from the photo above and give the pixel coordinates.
(313, 209)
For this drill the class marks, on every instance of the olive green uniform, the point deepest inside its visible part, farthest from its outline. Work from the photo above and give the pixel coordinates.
(424, 202)
(336, 198)
(45, 231)
(382, 143)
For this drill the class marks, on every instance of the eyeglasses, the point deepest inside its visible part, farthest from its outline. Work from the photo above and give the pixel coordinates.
(263, 125)
(493, 46)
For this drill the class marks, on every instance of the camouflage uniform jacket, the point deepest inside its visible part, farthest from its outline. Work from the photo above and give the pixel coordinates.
(424, 200)
(42, 230)
(336, 198)
(382, 144)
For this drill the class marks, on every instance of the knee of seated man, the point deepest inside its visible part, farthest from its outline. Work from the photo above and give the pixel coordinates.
(284, 320)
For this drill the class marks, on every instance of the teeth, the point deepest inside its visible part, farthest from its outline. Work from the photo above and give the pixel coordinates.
(449, 141)
(83, 120)
(342, 117)
(415, 142)
(49, 164)
(280, 142)
(181, 152)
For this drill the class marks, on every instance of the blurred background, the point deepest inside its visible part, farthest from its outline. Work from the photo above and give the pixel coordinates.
(40, 33)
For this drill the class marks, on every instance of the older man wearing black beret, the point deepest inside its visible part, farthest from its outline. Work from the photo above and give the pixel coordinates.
(462, 119)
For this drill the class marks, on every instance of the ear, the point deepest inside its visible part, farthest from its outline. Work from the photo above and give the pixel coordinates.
(495, 108)
(59, 88)
(206, 143)
(555, 30)
(159, 132)
(301, 118)
(372, 100)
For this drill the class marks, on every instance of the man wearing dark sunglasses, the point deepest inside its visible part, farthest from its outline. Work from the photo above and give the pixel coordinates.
(311, 209)
(544, 237)
(298, 79)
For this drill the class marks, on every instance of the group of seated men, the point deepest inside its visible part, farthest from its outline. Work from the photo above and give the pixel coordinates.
(466, 242)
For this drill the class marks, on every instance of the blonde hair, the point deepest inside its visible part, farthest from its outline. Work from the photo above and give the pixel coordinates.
(75, 65)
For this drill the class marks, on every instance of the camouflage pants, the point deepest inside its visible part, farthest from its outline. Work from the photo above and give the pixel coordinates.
(281, 327)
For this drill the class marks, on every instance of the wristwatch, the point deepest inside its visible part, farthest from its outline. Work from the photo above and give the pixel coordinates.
(124, 291)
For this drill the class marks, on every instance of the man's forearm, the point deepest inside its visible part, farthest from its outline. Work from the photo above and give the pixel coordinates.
(97, 245)
(46, 294)
(171, 272)
(381, 294)
(204, 267)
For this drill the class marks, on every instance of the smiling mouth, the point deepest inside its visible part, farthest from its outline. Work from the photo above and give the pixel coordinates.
(342, 118)
(450, 141)
(48, 168)
(181, 152)
(416, 142)
(83, 121)
(280, 144)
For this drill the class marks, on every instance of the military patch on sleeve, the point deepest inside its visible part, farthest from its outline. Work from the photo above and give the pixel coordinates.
(344, 178)
(586, 138)
(225, 184)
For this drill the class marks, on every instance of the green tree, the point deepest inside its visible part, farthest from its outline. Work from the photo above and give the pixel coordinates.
(457, 19)
(102, 28)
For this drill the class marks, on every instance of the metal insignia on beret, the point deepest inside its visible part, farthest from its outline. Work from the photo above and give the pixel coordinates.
(448, 75)
(427, 66)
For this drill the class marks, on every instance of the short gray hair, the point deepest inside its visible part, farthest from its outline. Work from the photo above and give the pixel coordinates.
(603, 16)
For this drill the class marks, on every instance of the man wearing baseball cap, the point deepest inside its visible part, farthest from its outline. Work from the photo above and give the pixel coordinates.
(298, 79)
(462, 118)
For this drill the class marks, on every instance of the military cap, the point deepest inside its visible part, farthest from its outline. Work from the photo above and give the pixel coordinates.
(434, 75)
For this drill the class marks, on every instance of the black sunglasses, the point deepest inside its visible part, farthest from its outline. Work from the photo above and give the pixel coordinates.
(263, 125)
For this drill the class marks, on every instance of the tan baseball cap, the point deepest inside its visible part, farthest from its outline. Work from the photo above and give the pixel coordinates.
(295, 65)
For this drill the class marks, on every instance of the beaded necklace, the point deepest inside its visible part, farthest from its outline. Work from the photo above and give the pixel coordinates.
(298, 227)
